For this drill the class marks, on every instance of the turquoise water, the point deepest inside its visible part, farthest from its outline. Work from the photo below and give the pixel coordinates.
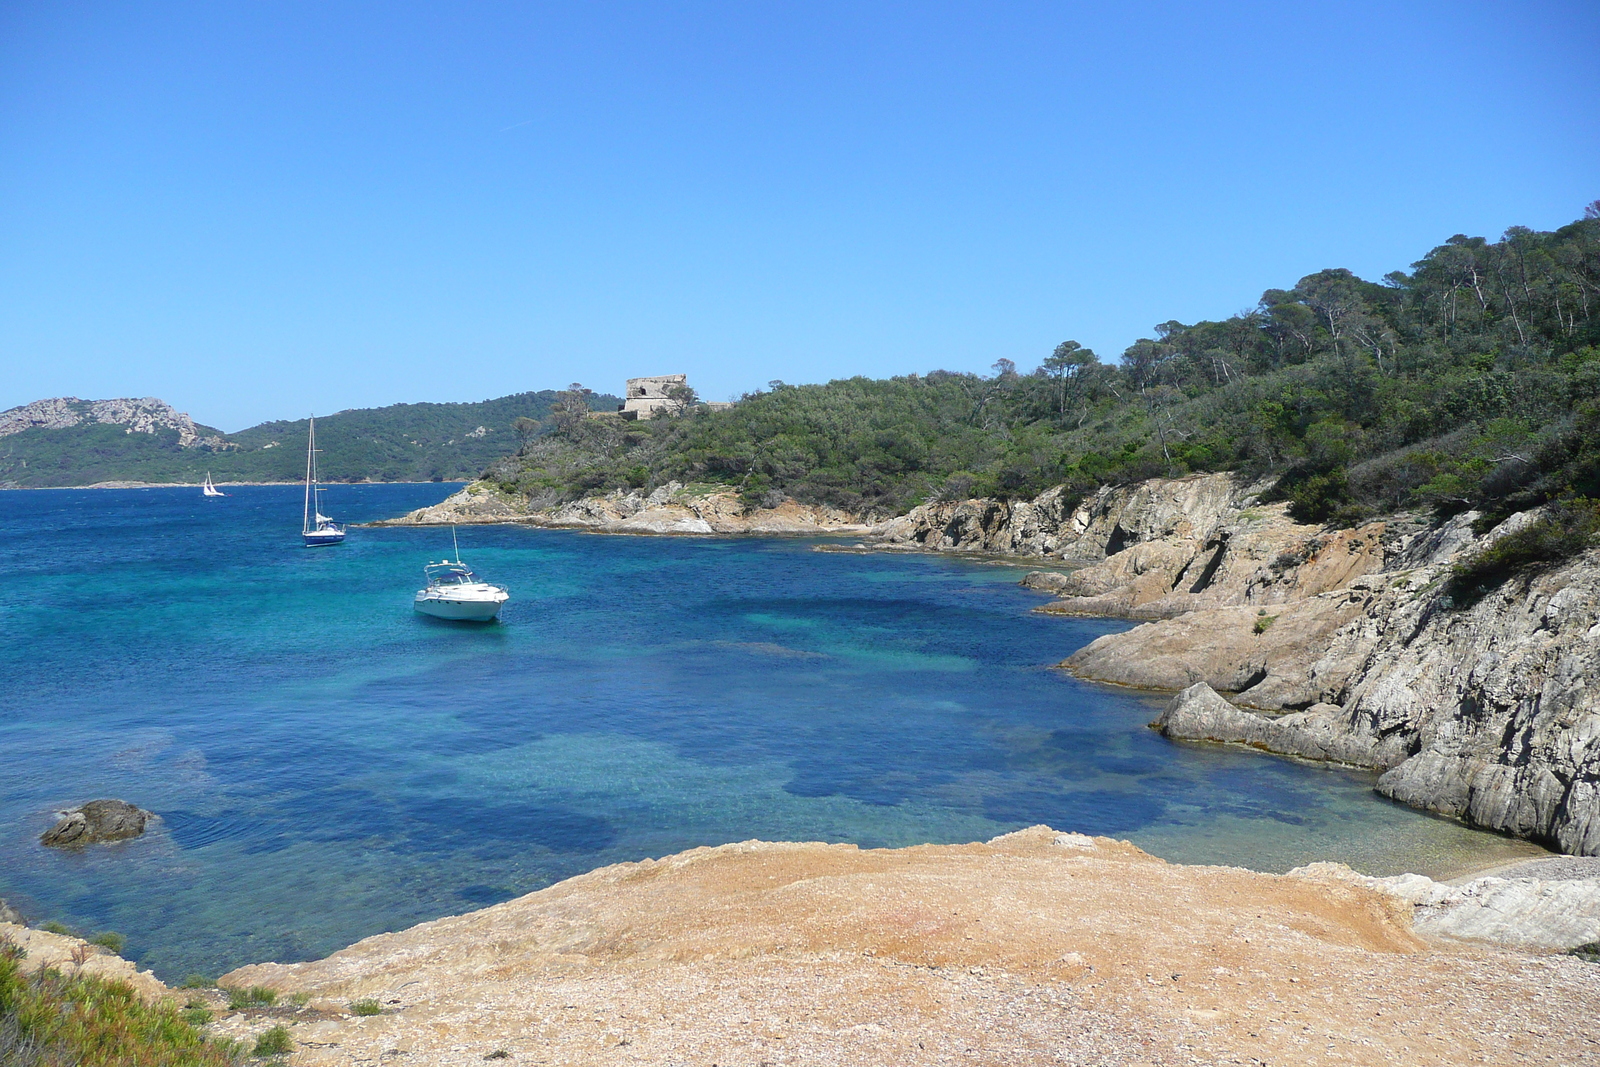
(328, 765)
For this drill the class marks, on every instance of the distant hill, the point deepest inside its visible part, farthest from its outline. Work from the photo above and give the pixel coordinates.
(66, 441)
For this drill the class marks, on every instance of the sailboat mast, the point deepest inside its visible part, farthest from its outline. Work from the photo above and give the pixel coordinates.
(456, 543)
(311, 450)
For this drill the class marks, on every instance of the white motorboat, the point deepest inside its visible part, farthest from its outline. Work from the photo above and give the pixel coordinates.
(210, 490)
(316, 529)
(455, 593)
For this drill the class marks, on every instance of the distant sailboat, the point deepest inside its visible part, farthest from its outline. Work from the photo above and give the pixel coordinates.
(210, 490)
(316, 528)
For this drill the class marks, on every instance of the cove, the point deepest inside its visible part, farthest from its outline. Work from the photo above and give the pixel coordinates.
(328, 765)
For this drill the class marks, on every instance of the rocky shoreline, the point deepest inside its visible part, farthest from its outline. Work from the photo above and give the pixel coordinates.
(1341, 645)
(672, 509)
(1338, 645)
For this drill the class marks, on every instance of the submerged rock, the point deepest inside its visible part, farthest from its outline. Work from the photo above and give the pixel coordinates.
(94, 822)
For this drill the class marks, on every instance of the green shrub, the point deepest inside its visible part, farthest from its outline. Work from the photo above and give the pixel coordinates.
(1567, 527)
(365, 1006)
(110, 940)
(254, 997)
(198, 981)
(1589, 952)
(196, 1014)
(1264, 623)
(300, 999)
(48, 1018)
(274, 1042)
(53, 927)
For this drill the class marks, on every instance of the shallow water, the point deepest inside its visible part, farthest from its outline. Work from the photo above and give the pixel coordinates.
(328, 765)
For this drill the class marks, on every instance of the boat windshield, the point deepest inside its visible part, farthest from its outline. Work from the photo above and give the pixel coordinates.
(448, 574)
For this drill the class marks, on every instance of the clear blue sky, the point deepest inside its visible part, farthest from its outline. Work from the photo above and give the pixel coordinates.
(256, 210)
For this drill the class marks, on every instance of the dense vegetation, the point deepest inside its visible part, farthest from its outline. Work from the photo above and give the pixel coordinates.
(1472, 381)
(401, 442)
(51, 1019)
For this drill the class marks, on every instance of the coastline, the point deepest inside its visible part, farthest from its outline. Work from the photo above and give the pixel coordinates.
(1329, 643)
(189, 485)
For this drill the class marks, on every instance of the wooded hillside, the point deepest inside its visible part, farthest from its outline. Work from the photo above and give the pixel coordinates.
(401, 442)
(1472, 380)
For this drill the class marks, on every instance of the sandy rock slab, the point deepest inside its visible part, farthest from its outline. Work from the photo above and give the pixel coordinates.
(1033, 948)
(73, 955)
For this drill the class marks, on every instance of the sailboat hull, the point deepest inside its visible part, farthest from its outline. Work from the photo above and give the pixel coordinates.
(319, 538)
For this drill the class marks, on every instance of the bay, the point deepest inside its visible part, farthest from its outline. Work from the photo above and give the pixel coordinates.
(326, 764)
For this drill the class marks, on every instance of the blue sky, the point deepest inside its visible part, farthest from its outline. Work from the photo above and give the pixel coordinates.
(256, 210)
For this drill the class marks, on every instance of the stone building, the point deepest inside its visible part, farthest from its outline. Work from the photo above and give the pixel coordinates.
(646, 396)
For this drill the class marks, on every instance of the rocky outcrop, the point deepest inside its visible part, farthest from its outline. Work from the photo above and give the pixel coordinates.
(1034, 947)
(671, 509)
(95, 822)
(1488, 711)
(1319, 733)
(1526, 913)
(1052, 526)
(1153, 550)
(144, 415)
(8, 914)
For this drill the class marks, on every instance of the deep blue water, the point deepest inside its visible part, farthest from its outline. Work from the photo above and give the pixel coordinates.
(328, 765)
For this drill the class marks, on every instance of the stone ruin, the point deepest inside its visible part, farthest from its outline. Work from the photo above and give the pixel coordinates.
(647, 396)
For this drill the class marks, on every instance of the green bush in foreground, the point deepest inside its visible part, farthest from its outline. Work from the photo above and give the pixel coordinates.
(48, 1019)
(274, 1042)
(1589, 952)
(366, 1006)
(254, 997)
(111, 941)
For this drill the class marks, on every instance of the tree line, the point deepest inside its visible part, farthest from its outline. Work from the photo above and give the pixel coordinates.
(1471, 381)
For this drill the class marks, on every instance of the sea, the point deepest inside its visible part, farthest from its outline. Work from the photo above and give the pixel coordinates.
(326, 764)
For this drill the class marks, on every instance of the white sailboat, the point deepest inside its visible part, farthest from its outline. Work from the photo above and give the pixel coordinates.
(210, 490)
(316, 528)
(455, 593)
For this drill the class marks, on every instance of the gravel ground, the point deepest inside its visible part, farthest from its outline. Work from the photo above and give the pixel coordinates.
(1035, 948)
(1556, 869)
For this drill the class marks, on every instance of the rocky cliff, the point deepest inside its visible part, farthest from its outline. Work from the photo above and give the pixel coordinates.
(671, 509)
(1486, 711)
(143, 415)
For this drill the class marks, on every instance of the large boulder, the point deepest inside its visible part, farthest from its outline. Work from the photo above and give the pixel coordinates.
(94, 822)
